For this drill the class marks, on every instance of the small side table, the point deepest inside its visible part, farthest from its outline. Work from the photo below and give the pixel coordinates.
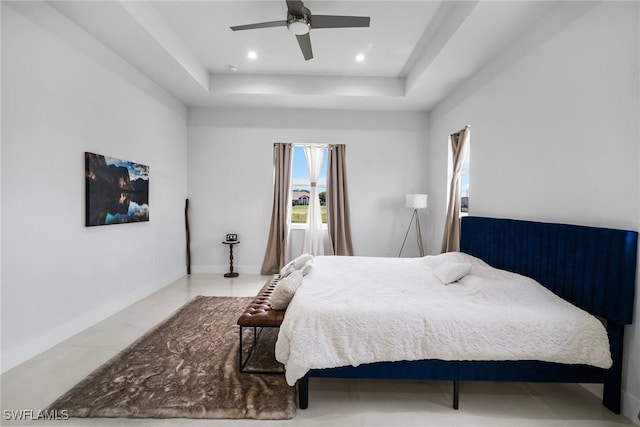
(231, 273)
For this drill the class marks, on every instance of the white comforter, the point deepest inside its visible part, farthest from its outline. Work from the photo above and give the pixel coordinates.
(355, 310)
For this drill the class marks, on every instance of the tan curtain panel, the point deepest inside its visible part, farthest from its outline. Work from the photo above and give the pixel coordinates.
(451, 237)
(277, 245)
(338, 223)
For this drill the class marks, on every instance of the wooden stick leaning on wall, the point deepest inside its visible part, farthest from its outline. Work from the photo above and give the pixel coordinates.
(186, 223)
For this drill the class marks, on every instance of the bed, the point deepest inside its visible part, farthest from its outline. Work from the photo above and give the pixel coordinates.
(587, 274)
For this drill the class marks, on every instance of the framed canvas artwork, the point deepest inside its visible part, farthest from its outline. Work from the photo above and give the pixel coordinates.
(117, 191)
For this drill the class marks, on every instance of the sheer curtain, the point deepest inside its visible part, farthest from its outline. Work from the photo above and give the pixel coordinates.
(338, 222)
(313, 239)
(451, 237)
(277, 244)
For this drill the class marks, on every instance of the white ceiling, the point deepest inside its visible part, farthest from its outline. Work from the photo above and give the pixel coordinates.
(416, 51)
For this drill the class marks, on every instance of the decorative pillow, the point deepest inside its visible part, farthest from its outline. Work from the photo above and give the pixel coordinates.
(285, 290)
(434, 261)
(295, 264)
(450, 272)
(302, 260)
(306, 267)
(287, 270)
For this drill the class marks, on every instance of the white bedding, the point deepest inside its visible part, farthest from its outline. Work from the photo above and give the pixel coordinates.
(355, 310)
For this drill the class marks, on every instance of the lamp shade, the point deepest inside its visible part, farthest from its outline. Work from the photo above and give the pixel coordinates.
(416, 201)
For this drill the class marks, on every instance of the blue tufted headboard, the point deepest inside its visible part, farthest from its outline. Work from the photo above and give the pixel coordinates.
(593, 268)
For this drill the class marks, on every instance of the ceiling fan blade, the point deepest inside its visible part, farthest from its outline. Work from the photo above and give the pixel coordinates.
(305, 46)
(260, 25)
(333, 21)
(296, 7)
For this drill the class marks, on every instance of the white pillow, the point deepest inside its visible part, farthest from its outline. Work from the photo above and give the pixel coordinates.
(450, 272)
(434, 261)
(302, 260)
(295, 264)
(287, 270)
(306, 267)
(285, 290)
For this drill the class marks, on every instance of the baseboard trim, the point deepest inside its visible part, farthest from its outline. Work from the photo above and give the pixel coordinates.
(32, 347)
(221, 269)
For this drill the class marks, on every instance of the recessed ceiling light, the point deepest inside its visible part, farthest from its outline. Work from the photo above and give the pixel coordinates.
(252, 55)
(360, 57)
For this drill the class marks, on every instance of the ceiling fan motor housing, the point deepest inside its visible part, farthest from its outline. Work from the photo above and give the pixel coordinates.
(298, 25)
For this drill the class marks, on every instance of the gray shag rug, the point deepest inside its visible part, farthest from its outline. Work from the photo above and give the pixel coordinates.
(187, 367)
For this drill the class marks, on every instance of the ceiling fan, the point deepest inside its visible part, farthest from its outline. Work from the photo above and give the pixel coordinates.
(300, 21)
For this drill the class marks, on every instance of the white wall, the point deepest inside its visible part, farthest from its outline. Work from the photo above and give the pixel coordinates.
(64, 94)
(554, 137)
(230, 176)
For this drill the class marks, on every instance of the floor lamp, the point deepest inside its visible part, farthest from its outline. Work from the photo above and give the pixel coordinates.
(415, 202)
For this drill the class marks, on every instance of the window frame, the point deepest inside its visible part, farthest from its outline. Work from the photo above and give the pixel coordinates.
(297, 184)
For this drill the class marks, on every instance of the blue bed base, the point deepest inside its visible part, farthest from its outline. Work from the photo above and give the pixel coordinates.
(593, 268)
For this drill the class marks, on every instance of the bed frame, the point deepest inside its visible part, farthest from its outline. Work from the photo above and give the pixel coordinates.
(593, 268)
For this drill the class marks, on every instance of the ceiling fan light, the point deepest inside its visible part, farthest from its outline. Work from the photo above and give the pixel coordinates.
(298, 25)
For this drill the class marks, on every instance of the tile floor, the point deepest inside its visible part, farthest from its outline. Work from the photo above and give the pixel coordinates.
(37, 382)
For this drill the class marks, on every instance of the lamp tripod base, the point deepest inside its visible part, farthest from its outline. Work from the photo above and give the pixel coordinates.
(418, 233)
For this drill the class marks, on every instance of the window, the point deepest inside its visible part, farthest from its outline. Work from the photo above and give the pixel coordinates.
(464, 181)
(301, 186)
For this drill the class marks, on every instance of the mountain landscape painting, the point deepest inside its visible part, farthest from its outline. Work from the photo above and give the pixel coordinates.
(117, 191)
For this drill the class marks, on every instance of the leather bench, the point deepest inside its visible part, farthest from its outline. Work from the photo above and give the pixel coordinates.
(259, 314)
